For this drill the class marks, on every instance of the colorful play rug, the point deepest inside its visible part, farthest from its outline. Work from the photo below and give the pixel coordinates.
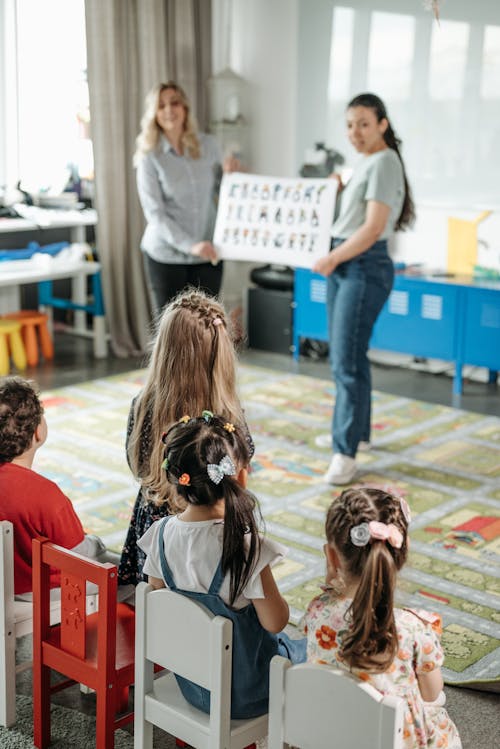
(446, 463)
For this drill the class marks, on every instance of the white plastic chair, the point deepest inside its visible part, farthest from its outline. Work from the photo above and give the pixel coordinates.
(319, 707)
(181, 635)
(16, 620)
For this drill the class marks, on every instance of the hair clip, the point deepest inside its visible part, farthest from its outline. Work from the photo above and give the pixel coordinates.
(207, 415)
(184, 419)
(229, 427)
(217, 321)
(164, 465)
(164, 437)
(362, 533)
(185, 479)
(217, 471)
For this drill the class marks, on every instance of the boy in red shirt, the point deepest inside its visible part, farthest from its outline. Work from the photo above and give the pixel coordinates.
(34, 504)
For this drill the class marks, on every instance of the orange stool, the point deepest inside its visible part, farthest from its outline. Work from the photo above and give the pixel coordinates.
(11, 342)
(30, 320)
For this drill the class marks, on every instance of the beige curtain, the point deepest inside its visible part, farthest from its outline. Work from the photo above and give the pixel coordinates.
(131, 46)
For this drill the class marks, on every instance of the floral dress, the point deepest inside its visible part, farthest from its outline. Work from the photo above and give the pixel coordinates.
(426, 724)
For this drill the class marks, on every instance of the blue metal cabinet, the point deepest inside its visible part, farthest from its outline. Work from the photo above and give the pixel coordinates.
(419, 318)
(480, 343)
(309, 308)
(453, 319)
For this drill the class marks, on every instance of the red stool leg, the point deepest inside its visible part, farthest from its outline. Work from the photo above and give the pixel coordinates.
(30, 344)
(46, 342)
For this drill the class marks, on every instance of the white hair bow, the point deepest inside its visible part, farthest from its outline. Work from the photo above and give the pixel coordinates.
(217, 471)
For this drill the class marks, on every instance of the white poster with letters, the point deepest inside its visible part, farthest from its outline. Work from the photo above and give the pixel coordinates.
(274, 220)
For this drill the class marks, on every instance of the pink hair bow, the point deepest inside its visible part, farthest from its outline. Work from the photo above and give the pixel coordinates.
(382, 532)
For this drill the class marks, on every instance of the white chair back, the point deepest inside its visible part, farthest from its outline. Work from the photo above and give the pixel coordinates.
(8, 627)
(16, 620)
(181, 635)
(318, 707)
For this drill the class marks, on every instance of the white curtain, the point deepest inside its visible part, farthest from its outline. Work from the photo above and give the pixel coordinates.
(131, 46)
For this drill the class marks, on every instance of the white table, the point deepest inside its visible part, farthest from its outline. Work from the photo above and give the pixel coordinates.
(14, 274)
(36, 219)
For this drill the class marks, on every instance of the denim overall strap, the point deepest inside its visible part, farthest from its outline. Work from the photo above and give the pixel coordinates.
(165, 569)
(217, 580)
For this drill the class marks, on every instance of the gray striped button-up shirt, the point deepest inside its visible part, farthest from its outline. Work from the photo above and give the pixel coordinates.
(177, 195)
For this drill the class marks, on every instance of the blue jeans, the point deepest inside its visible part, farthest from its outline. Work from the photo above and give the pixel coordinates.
(356, 292)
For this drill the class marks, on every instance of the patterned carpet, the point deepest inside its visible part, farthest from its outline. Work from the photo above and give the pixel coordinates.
(446, 463)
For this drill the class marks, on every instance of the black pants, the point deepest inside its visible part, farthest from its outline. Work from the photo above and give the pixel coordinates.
(166, 280)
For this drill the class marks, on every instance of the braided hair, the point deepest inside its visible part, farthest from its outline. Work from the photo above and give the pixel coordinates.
(192, 366)
(190, 447)
(371, 641)
(407, 216)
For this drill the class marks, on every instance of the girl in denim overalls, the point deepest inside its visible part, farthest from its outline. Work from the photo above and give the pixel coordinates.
(213, 552)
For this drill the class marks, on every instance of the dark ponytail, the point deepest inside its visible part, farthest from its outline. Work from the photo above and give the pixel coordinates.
(190, 446)
(407, 215)
(371, 641)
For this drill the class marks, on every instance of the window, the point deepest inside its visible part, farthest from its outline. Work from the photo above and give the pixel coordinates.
(46, 107)
(391, 53)
(440, 83)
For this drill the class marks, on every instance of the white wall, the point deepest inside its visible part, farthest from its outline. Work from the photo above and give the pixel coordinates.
(263, 50)
(427, 243)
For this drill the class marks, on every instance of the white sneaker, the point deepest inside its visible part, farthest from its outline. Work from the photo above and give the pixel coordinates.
(341, 470)
(325, 441)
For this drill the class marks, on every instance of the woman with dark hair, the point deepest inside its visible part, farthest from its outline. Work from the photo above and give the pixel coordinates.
(375, 202)
(178, 171)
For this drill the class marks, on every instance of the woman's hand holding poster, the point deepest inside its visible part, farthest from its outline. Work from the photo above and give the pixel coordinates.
(274, 220)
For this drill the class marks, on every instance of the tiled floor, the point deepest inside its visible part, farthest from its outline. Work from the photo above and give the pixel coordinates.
(476, 713)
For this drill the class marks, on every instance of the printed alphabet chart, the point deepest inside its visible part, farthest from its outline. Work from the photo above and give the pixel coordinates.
(274, 220)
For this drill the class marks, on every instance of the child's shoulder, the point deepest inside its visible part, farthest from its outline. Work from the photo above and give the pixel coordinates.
(327, 599)
(419, 619)
(29, 477)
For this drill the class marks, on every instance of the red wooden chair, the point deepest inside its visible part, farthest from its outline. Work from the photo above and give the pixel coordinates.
(96, 650)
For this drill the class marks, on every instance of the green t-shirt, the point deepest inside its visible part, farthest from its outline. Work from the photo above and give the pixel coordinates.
(379, 177)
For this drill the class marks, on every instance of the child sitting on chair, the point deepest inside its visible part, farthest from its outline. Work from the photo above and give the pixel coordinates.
(353, 624)
(34, 504)
(213, 552)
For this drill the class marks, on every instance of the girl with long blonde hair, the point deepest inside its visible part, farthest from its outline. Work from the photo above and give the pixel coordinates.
(192, 368)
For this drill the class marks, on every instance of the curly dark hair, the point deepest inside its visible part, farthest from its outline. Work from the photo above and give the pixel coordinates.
(20, 414)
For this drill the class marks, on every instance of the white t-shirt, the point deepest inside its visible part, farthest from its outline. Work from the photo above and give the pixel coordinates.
(378, 176)
(194, 550)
